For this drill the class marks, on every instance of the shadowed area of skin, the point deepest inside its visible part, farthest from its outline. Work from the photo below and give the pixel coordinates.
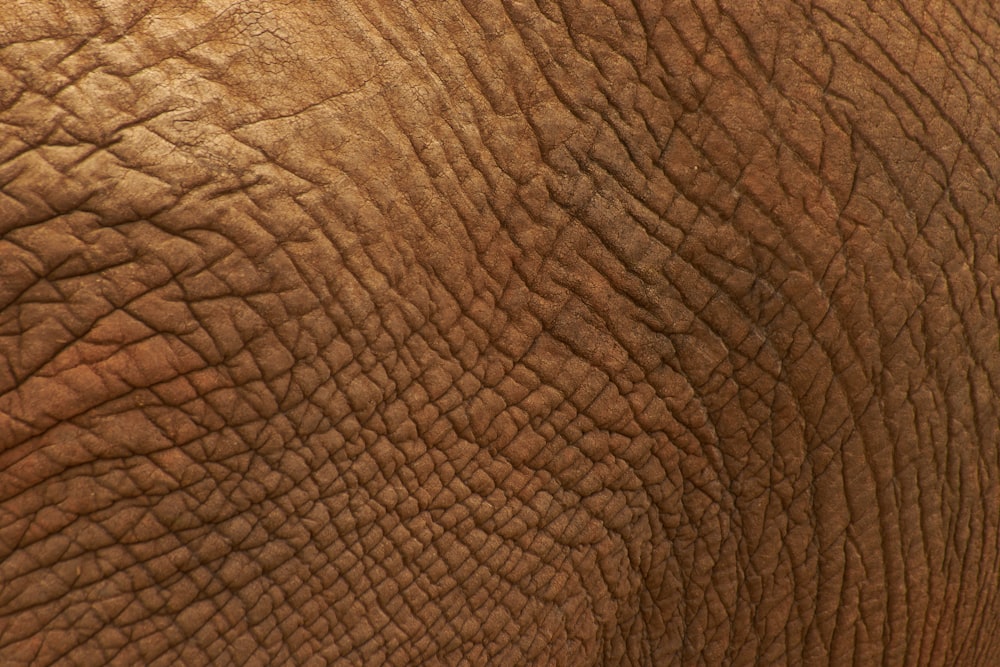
(571, 333)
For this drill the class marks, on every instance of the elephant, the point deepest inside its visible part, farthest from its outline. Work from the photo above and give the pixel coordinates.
(499, 332)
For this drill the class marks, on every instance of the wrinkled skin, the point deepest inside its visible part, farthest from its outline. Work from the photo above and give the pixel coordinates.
(566, 333)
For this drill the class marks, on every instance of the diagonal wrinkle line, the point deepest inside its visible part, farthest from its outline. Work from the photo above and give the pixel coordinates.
(921, 90)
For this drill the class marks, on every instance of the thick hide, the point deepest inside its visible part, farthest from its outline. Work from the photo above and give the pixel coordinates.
(499, 332)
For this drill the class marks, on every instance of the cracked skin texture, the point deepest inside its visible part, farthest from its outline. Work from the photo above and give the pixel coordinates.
(506, 333)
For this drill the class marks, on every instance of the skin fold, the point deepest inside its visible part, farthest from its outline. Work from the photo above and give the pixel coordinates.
(590, 332)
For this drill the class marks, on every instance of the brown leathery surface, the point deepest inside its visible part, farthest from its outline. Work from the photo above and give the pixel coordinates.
(577, 332)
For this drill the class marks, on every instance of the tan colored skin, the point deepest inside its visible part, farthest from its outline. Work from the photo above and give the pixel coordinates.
(568, 333)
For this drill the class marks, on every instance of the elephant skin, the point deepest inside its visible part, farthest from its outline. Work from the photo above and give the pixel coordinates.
(500, 332)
